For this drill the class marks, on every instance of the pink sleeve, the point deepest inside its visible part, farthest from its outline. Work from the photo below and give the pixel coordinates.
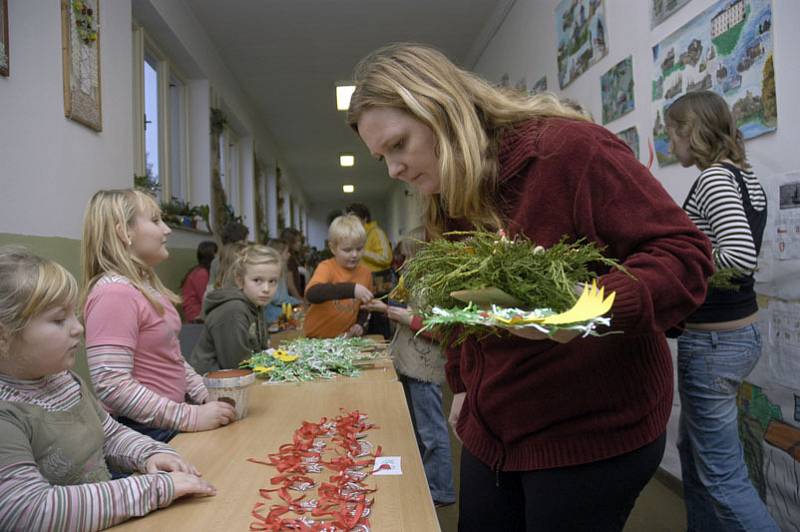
(112, 315)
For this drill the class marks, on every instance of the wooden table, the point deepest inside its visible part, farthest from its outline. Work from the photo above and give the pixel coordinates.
(275, 412)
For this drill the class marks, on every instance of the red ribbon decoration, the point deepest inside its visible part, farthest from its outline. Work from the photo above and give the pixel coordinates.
(342, 501)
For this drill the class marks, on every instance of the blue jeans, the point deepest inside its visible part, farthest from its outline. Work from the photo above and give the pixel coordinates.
(717, 491)
(432, 437)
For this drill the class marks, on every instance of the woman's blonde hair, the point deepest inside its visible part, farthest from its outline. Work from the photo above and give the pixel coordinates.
(251, 255)
(347, 227)
(467, 116)
(705, 120)
(30, 285)
(104, 249)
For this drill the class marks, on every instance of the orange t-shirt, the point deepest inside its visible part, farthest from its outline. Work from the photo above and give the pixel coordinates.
(335, 317)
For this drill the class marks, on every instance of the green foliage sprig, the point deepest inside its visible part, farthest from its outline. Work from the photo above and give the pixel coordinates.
(723, 279)
(540, 278)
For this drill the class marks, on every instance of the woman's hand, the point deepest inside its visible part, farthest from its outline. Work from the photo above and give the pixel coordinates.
(455, 411)
(400, 315)
(561, 336)
(186, 484)
(214, 414)
(169, 462)
(362, 293)
(375, 305)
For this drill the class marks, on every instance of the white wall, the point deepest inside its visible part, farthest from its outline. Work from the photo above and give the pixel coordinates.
(525, 46)
(49, 165)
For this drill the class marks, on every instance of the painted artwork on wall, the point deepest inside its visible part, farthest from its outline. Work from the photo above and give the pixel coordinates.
(630, 137)
(4, 53)
(539, 86)
(661, 10)
(80, 36)
(616, 89)
(728, 49)
(581, 32)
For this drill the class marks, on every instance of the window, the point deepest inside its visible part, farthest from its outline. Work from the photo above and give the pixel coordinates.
(161, 136)
(152, 142)
(229, 165)
(178, 175)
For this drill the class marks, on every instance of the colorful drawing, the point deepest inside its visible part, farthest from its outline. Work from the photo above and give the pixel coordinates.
(727, 49)
(661, 10)
(630, 137)
(581, 31)
(539, 86)
(616, 89)
(771, 451)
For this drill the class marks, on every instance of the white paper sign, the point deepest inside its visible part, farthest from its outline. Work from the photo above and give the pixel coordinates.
(387, 465)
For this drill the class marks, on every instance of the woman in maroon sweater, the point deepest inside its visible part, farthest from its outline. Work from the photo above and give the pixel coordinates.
(559, 433)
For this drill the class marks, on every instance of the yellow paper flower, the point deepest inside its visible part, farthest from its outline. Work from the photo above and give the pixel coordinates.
(283, 356)
(590, 305)
(263, 369)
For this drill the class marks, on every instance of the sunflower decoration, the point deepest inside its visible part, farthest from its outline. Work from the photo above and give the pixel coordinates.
(85, 21)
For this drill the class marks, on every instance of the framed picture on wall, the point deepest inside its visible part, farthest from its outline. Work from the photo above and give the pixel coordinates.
(4, 53)
(80, 45)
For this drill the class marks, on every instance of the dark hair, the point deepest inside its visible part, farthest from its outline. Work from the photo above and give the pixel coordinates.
(234, 232)
(360, 210)
(278, 244)
(205, 253)
(333, 215)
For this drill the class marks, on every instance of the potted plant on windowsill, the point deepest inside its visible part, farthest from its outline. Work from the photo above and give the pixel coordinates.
(182, 214)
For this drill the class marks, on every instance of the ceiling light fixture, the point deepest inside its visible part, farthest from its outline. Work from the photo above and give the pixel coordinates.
(348, 189)
(347, 159)
(343, 94)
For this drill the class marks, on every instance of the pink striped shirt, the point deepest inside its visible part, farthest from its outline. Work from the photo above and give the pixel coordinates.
(135, 359)
(30, 503)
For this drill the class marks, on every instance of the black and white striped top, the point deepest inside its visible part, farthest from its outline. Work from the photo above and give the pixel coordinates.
(715, 206)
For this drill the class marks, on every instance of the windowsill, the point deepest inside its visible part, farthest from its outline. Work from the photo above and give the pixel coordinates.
(187, 229)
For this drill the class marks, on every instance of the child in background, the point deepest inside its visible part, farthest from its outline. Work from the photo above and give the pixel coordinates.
(194, 284)
(273, 309)
(295, 281)
(131, 324)
(721, 343)
(419, 362)
(227, 257)
(56, 437)
(340, 285)
(234, 315)
(233, 233)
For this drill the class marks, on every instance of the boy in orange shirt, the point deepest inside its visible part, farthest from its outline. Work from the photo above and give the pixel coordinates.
(340, 285)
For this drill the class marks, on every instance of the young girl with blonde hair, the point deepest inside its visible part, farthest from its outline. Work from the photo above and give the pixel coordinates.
(234, 317)
(131, 323)
(558, 433)
(721, 343)
(56, 438)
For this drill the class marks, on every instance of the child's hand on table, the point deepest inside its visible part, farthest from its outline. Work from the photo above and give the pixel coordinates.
(187, 484)
(214, 414)
(355, 330)
(169, 462)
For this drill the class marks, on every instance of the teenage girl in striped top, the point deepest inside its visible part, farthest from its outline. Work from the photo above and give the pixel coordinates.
(721, 344)
(56, 438)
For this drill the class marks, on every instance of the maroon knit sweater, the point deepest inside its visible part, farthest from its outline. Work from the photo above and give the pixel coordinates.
(540, 404)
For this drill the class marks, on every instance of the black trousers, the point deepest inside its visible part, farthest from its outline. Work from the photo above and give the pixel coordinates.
(595, 497)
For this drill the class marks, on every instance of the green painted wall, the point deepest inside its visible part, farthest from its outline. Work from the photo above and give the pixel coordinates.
(67, 252)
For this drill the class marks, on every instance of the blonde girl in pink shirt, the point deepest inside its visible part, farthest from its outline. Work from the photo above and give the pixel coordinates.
(131, 323)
